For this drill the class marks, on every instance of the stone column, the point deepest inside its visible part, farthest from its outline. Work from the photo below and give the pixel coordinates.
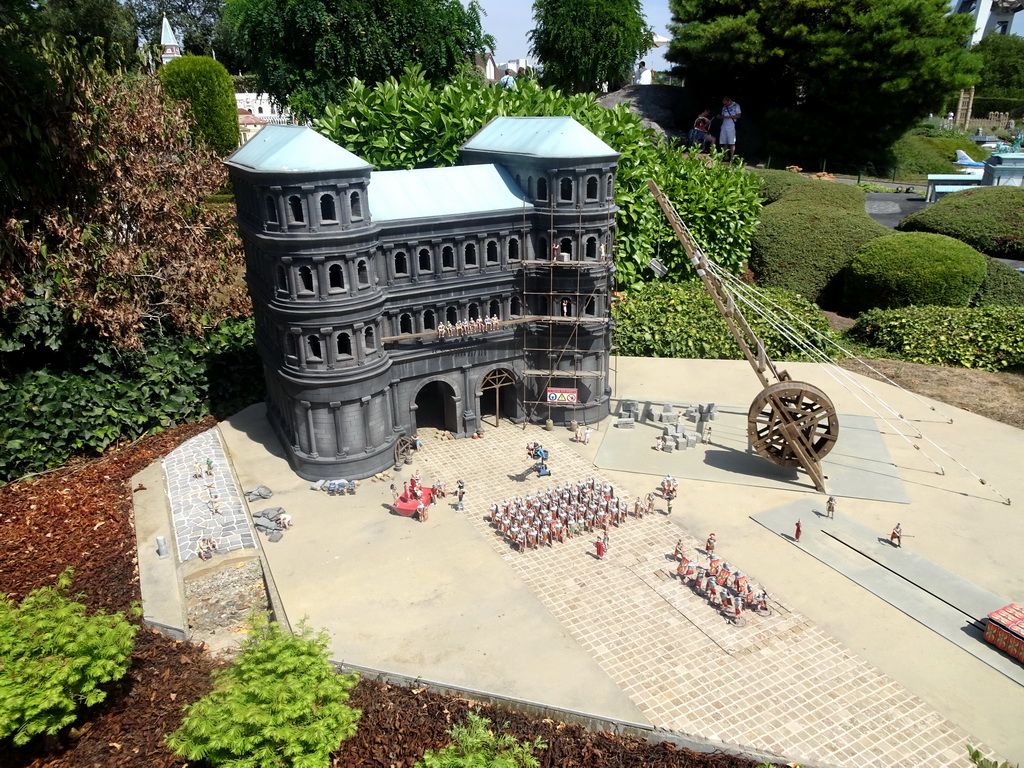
(335, 407)
(364, 403)
(308, 407)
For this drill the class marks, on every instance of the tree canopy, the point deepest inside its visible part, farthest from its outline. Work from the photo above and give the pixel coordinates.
(585, 43)
(85, 20)
(836, 79)
(1002, 70)
(304, 51)
(198, 24)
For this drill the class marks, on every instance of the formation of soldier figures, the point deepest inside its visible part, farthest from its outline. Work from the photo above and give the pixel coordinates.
(562, 512)
(725, 587)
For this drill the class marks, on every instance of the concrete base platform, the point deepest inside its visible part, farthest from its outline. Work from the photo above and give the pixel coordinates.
(945, 603)
(859, 467)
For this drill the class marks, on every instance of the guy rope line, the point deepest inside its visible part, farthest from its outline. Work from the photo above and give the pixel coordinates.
(744, 292)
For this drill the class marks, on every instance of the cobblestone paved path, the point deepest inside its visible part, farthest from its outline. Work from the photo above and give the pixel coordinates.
(778, 684)
(204, 500)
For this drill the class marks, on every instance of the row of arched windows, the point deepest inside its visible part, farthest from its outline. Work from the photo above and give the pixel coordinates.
(336, 347)
(305, 280)
(565, 248)
(424, 258)
(566, 189)
(294, 213)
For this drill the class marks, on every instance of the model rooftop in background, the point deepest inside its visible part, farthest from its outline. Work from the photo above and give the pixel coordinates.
(440, 297)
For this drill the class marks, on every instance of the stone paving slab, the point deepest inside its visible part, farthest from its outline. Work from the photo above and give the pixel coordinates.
(779, 684)
(931, 595)
(858, 467)
(204, 500)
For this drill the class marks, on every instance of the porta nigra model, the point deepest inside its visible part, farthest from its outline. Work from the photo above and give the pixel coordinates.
(389, 301)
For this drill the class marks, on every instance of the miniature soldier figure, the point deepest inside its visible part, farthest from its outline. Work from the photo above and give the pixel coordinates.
(421, 512)
(679, 550)
(460, 489)
(599, 544)
(209, 467)
(830, 507)
(798, 531)
(709, 547)
(896, 537)
(605, 540)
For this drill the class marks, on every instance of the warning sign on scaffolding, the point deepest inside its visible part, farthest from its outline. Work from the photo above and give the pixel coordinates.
(557, 395)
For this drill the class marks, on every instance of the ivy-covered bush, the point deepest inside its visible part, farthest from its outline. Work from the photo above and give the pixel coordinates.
(989, 219)
(280, 705)
(907, 268)
(55, 411)
(1003, 286)
(986, 338)
(788, 186)
(804, 247)
(412, 123)
(681, 320)
(55, 659)
(207, 87)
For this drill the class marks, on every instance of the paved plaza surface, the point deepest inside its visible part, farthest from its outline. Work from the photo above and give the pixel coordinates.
(835, 676)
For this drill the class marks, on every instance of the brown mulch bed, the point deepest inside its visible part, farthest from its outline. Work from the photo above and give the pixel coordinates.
(80, 516)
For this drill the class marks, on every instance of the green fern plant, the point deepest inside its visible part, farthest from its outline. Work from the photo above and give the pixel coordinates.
(474, 745)
(280, 705)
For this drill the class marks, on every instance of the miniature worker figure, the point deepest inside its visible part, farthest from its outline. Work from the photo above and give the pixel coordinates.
(197, 470)
(599, 545)
(706, 437)
(421, 512)
(566, 308)
(679, 550)
(709, 547)
(460, 489)
(394, 492)
(896, 537)
(606, 540)
(209, 467)
(799, 530)
(659, 443)
(586, 435)
(830, 507)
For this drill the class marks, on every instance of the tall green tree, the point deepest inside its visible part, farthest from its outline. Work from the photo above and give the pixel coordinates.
(206, 87)
(585, 43)
(304, 51)
(836, 79)
(1002, 69)
(86, 20)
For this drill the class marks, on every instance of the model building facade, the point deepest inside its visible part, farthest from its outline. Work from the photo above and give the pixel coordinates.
(391, 301)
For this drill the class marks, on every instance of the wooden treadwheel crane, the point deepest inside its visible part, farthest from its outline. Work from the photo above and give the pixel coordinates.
(791, 423)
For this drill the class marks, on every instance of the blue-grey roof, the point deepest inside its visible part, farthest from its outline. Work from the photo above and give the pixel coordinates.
(293, 149)
(544, 137)
(167, 36)
(429, 192)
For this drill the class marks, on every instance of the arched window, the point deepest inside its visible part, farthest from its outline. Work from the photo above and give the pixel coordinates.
(271, 210)
(369, 340)
(513, 249)
(425, 260)
(611, 188)
(452, 315)
(314, 351)
(470, 253)
(474, 312)
(259, 110)
(542, 305)
(542, 249)
(336, 277)
(327, 212)
(429, 320)
(565, 307)
(591, 247)
(448, 257)
(542, 188)
(494, 309)
(565, 189)
(295, 206)
(590, 306)
(362, 273)
(355, 203)
(344, 345)
(592, 188)
(305, 280)
(405, 323)
(515, 307)
(282, 279)
(401, 263)
(290, 348)
(519, 181)
(492, 252)
(565, 246)
(529, 187)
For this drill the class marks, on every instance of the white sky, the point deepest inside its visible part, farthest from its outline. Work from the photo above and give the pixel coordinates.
(511, 20)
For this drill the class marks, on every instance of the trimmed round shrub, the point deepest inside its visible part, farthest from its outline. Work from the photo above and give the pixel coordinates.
(989, 219)
(804, 248)
(1003, 286)
(985, 338)
(913, 268)
(845, 196)
(681, 320)
(207, 87)
(776, 184)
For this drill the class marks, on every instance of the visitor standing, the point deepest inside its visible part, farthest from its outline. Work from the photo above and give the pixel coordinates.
(508, 82)
(644, 75)
(727, 137)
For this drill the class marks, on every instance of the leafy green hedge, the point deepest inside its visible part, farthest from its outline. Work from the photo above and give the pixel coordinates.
(680, 320)
(412, 123)
(921, 155)
(804, 247)
(207, 87)
(788, 186)
(907, 268)
(52, 413)
(775, 185)
(989, 219)
(55, 659)
(1003, 286)
(986, 338)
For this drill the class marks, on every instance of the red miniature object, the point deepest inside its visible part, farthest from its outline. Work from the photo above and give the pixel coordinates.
(407, 503)
(1005, 630)
(600, 549)
(798, 530)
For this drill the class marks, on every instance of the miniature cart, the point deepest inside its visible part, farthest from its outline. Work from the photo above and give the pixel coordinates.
(1005, 630)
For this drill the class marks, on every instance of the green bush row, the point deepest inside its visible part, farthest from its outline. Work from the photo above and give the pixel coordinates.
(989, 219)
(986, 338)
(52, 413)
(917, 268)
(681, 320)
(1003, 286)
(795, 187)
